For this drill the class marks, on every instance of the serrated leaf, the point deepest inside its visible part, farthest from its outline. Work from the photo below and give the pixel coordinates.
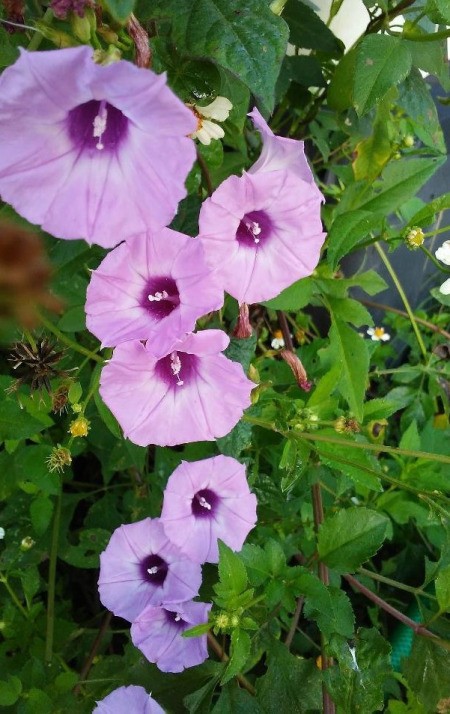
(16, 423)
(347, 230)
(426, 671)
(382, 62)
(329, 607)
(427, 214)
(120, 9)
(41, 510)
(380, 409)
(415, 98)
(350, 352)
(442, 585)
(358, 465)
(350, 537)
(294, 297)
(241, 351)
(10, 690)
(248, 40)
(341, 88)
(308, 31)
(239, 652)
(236, 700)
(350, 310)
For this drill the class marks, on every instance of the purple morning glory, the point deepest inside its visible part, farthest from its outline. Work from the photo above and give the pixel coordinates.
(206, 500)
(108, 143)
(262, 231)
(142, 567)
(157, 632)
(193, 393)
(153, 287)
(134, 700)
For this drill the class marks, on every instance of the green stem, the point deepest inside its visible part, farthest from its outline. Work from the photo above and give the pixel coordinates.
(395, 584)
(434, 260)
(67, 341)
(38, 37)
(402, 294)
(13, 596)
(432, 37)
(52, 580)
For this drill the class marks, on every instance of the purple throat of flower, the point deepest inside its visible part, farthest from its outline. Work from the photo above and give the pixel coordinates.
(97, 126)
(254, 229)
(160, 297)
(204, 503)
(154, 570)
(176, 369)
(175, 620)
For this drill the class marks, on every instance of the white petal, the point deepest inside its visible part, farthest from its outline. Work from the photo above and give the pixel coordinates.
(443, 253)
(219, 109)
(445, 287)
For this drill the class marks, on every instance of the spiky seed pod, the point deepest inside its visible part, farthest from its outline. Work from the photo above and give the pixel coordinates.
(36, 365)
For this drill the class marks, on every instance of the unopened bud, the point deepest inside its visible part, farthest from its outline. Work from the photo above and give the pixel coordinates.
(346, 425)
(81, 27)
(243, 329)
(222, 621)
(297, 368)
(408, 141)
(27, 543)
(277, 6)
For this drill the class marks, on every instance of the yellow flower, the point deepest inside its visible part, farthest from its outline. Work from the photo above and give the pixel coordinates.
(79, 427)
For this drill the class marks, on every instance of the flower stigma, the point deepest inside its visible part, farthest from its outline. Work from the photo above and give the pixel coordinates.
(158, 296)
(99, 125)
(175, 366)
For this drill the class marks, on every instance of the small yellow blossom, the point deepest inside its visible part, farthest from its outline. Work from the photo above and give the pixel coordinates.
(378, 334)
(414, 237)
(79, 427)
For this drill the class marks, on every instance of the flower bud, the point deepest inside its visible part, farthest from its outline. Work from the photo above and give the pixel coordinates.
(414, 237)
(297, 368)
(346, 425)
(27, 543)
(81, 27)
(79, 427)
(243, 329)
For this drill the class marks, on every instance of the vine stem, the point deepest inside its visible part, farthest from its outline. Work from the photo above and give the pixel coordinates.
(395, 584)
(402, 294)
(425, 323)
(294, 623)
(316, 494)
(38, 37)
(222, 655)
(205, 173)
(67, 341)
(13, 596)
(434, 260)
(96, 644)
(52, 580)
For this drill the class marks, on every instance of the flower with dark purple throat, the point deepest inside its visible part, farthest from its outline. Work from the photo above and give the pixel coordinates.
(157, 632)
(193, 393)
(207, 500)
(128, 699)
(262, 231)
(153, 287)
(142, 567)
(109, 143)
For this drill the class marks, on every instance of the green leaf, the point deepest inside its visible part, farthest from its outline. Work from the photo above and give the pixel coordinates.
(10, 691)
(340, 90)
(239, 438)
(232, 572)
(236, 700)
(120, 9)
(380, 409)
(16, 423)
(350, 537)
(349, 229)
(442, 585)
(249, 41)
(241, 351)
(308, 31)
(349, 350)
(350, 310)
(411, 438)
(199, 702)
(8, 52)
(416, 100)
(401, 180)
(427, 214)
(239, 653)
(197, 630)
(438, 11)
(41, 510)
(426, 671)
(73, 320)
(31, 467)
(294, 297)
(86, 554)
(357, 464)
(107, 417)
(305, 70)
(328, 606)
(291, 684)
(373, 153)
(382, 62)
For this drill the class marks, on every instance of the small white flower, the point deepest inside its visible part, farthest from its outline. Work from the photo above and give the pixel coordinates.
(277, 343)
(445, 287)
(443, 254)
(207, 130)
(2, 533)
(378, 334)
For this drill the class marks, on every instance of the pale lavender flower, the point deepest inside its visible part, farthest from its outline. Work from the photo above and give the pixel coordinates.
(157, 632)
(262, 231)
(153, 287)
(91, 151)
(206, 500)
(134, 700)
(194, 393)
(142, 567)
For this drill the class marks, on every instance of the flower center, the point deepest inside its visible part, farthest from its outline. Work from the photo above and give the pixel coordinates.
(204, 503)
(174, 618)
(177, 369)
(97, 125)
(254, 229)
(154, 569)
(160, 297)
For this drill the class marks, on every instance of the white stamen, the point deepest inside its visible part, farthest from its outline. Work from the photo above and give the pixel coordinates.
(177, 617)
(157, 297)
(99, 124)
(203, 502)
(153, 570)
(254, 228)
(175, 366)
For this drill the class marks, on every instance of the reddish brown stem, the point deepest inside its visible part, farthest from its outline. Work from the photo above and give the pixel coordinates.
(222, 655)
(95, 645)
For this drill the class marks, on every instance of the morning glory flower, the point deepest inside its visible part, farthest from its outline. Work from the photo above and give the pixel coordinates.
(91, 151)
(157, 632)
(141, 566)
(206, 500)
(153, 287)
(134, 700)
(193, 393)
(262, 231)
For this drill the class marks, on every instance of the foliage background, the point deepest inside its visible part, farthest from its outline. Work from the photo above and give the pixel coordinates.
(352, 520)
